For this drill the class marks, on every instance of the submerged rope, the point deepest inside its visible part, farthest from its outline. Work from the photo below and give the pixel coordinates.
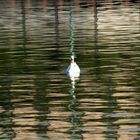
(71, 26)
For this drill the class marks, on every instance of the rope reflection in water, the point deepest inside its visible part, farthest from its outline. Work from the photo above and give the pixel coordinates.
(76, 130)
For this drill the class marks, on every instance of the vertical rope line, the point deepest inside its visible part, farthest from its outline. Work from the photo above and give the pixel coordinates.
(71, 26)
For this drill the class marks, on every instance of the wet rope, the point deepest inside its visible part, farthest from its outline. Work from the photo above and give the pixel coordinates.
(71, 26)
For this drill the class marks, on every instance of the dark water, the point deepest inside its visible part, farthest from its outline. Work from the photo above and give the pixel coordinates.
(38, 101)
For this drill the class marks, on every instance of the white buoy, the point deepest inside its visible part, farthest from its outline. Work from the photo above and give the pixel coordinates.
(73, 70)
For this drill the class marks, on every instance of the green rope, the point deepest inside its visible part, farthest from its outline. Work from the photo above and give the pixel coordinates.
(71, 25)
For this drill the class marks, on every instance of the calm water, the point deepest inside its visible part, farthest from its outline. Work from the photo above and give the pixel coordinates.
(38, 101)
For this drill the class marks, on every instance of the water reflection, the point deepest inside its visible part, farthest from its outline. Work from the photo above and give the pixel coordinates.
(41, 107)
(6, 109)
(76, 130)
(23, 12)
(35, 46)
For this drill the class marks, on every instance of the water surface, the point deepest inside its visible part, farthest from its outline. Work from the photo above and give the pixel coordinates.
(38, 101)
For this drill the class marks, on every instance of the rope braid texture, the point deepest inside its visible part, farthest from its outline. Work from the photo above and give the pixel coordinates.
(71, 26)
